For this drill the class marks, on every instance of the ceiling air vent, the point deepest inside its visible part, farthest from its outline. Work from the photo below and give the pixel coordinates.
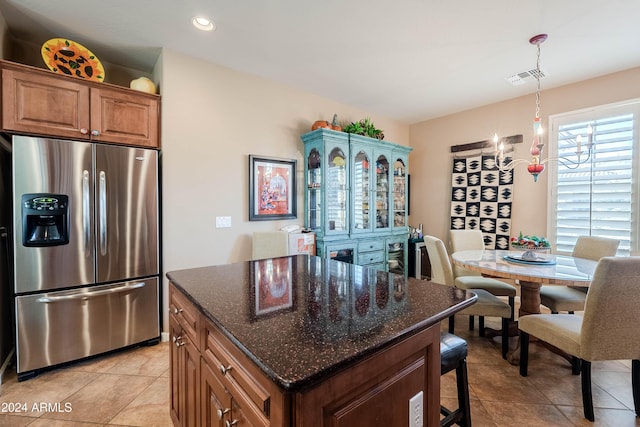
(525, 76)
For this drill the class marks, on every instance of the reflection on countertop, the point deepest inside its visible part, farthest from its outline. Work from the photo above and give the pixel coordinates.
(301, 317)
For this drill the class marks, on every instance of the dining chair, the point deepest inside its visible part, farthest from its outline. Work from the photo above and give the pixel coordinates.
(608, 329)
(464, 240)
(269, 244)
(570, 298)
(487, 304)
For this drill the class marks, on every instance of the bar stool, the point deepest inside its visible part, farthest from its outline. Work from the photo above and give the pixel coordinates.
(453, 355)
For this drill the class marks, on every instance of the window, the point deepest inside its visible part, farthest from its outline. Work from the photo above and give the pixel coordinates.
(598, 197)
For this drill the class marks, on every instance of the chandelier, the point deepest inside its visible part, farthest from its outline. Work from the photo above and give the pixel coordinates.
(536, 165)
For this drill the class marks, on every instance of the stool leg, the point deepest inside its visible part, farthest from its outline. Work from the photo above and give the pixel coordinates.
(463, 393)
(635, 384)
(471, 323)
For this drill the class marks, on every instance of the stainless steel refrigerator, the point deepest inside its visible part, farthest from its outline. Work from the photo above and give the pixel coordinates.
(86, 249)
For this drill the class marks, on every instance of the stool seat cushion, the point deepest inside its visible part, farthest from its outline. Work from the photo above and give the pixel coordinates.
(453, 349)
(496, 287)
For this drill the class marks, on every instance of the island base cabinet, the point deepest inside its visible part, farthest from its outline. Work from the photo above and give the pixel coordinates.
(376, 391)
(216, 384)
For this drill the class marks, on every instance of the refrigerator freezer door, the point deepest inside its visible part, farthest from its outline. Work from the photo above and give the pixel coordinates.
(69, 325)
(126, 213)
(62, 167)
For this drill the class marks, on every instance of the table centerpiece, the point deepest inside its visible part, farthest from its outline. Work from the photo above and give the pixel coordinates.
(530, 244)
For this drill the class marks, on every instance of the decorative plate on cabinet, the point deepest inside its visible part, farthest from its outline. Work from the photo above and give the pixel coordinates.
(65, 56)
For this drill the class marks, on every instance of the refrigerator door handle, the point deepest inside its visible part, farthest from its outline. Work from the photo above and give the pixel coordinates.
(86, 213)
(87, 295)
(102, 220)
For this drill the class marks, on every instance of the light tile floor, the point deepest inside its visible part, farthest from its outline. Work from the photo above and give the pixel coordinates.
(131, 388)
(126, 388)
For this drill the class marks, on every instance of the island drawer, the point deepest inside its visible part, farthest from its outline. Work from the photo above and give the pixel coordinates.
(246, 384)
(185, 313)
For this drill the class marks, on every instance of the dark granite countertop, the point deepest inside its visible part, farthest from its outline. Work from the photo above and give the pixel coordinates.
(302, 317)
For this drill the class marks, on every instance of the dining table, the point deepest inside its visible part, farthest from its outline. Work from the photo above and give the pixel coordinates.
(531, 272)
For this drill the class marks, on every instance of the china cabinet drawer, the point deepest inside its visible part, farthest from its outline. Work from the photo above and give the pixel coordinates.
(185, 313)
(370, 258)
(371, 245)
(246, 385)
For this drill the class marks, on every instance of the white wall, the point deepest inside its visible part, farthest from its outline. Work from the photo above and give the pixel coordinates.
(212, 119)
(432, 139)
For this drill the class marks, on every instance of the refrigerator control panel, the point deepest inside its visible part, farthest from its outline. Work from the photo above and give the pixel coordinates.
(45, 220)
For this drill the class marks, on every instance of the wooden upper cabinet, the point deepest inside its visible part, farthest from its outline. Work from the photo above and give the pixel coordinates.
(38, 102)
(126, 118)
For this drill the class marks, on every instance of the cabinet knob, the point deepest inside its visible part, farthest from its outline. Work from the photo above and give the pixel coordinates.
(177, 341)
(95, 132)
(221, 412)
(177, 310)
(230, 423)
(225, 370)
(84, 131)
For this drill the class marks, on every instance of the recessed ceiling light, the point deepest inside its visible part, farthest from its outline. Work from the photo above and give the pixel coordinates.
(202, 23)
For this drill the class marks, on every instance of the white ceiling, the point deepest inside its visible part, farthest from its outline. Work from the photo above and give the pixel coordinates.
(407, 59)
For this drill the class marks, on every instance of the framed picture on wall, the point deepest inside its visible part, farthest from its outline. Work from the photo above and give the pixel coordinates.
(272, 188)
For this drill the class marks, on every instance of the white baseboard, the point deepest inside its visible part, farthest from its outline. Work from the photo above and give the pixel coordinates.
(164, 336)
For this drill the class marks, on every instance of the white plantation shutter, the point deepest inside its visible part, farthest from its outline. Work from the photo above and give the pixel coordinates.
(600, 196)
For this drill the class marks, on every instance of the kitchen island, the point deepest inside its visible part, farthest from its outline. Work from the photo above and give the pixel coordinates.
(305, 341)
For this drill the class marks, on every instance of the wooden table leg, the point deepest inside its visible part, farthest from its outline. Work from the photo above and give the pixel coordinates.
(529, 304)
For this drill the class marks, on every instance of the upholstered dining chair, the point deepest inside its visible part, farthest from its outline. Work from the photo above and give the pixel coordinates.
(608, 329)
(569, 298)
(487, 304)
(464, 240)
(269, 244)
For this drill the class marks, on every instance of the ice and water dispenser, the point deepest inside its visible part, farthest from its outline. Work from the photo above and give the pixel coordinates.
(45, 220)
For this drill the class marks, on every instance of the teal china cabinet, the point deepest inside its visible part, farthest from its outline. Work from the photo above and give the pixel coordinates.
(356, 198)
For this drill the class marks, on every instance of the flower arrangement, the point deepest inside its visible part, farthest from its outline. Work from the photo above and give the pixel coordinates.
(530, 242)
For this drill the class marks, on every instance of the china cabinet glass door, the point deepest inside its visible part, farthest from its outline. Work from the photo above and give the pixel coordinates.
(361, 194)
(382, 192)
(399, 194)
(337, 191)
(314, 193)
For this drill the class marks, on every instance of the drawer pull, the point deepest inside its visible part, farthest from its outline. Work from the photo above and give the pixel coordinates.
(225, 370)
(221, 412)
(230, 423)
(84, 131)
(95, 132)
(177, 310)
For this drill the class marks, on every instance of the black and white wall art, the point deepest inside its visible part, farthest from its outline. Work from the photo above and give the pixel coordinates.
(481, 197)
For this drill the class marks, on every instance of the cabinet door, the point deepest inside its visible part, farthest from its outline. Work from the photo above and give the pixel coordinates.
(121, 117)
(397, 254)
(185, 378)
(216, 401)
(40, 104)
(400, 194)
(361, 191)
(313, 201)
(382, 192)
(337, 193)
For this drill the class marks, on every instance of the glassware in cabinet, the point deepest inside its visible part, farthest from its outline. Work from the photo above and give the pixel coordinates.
(399, 194)
(314, 193)
(382, 192)
(361, 191)
(337, 191)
